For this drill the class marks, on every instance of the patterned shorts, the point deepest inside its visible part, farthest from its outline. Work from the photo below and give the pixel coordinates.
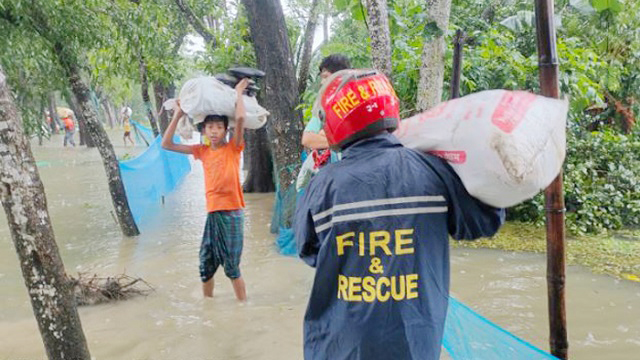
(222, 244)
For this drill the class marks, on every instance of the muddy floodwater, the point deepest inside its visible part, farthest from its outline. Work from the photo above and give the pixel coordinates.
(175, 322)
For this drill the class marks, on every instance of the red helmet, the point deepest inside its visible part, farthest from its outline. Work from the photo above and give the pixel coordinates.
(356, 104)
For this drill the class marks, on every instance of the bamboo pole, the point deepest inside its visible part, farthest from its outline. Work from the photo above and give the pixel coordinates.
(458, 42)
(554, 197)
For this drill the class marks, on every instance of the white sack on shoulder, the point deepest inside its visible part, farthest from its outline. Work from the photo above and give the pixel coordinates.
(505, 146)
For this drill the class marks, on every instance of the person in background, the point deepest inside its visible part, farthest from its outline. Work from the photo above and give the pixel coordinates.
(127, 132)
(313, 137)
(69, 130)
(51, 123)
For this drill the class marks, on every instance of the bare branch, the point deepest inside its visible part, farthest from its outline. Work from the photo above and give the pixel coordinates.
(196, 23)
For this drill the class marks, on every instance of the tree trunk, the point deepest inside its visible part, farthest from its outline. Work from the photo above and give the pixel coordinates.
(25, 205)
(114, 111)
(309, 33)
(171, 91)
(100, 138)
(432, 70)
(85, 139)
(196, 23)
(325, 24)
(269, 36)
(378, 20)
(164, 91)
(108, 109)
(160, 94)
(54, 114)
(260, 175)
(40, 132)
(210, 22)
(144, 86)
(96, 105)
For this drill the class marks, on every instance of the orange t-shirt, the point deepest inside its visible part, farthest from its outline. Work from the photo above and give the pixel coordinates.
(68, 123)
(221, 175)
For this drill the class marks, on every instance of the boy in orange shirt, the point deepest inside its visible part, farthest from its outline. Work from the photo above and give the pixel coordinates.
(223, 232)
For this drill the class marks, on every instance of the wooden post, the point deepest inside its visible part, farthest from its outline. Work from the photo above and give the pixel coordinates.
(554, 197)
(458, 43)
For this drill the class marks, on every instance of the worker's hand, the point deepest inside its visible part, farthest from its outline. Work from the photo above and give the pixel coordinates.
(241, 86)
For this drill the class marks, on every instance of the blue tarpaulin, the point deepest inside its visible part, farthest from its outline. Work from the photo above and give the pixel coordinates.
(151, 175)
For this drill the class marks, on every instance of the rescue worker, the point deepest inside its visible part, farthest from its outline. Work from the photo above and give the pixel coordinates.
(376, 227)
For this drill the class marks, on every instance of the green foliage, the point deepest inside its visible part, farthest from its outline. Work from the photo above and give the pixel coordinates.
(601, 184)
(498, 62)
(409, 29)
(152, 30)
(522, 20)
(105, 38)
(353, 8)
(31, 56)
(611, 5)
(235, 47)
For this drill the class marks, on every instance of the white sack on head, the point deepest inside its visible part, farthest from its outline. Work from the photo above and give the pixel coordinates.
(64, 112)
(126, 111)
(204, 96)
(505, 146)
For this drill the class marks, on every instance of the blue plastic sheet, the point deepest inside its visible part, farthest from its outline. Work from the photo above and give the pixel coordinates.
(151, 176)
(469, 336)
(286, 241)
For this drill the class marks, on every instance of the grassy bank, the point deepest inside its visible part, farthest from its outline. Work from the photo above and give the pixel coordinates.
(616, 253)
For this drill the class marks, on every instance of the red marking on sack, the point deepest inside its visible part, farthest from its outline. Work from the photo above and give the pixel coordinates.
(454, 157)
(433, 112)
(511, 109)
(474, 110)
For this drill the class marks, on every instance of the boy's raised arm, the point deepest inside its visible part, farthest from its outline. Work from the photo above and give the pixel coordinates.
(238, 134)
(167, 138)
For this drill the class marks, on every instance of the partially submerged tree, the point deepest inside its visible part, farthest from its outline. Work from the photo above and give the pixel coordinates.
(269, 35)
(25, 205)
(146, 99)
(259, 162)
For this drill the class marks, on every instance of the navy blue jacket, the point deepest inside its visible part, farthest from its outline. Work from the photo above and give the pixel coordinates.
(376, 227)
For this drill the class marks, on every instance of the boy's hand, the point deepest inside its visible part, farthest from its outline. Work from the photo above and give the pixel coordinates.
(241, 86)
(178, 112)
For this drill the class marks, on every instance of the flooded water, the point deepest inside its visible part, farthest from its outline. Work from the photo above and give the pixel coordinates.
(175, 322)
